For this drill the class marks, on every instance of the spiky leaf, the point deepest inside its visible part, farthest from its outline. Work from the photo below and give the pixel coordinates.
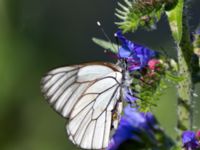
(134, 14)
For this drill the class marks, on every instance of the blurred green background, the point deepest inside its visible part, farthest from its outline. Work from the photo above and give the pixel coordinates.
(38, 35)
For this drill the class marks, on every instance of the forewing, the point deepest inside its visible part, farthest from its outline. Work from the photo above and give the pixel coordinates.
(63, 87)
(91, 118)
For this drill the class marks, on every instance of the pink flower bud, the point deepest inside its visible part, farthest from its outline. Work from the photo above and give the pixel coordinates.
(153, 64)
(198, 134)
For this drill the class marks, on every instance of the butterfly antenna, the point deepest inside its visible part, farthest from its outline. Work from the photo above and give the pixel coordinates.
(104, 33)
(117, 40)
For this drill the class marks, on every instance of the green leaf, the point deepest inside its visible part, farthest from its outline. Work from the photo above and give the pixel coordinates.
(174, 78)
(175, 17)
(106, 45)
(177, 147)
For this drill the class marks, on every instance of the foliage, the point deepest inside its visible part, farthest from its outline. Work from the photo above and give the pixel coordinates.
(139, 13)
(152, 85)
(142, 13)
(106, 45)
(175, 20)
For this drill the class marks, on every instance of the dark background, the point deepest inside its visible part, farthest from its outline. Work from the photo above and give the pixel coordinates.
(38, 35)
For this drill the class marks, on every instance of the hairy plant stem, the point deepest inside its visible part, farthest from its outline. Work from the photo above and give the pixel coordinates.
(184, 53)
(184, 103)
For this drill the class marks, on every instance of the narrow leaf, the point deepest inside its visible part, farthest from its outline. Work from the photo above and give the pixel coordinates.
(106, 45)
(175, 20)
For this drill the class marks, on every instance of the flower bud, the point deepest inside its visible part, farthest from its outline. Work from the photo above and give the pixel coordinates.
(198, 135)
(153, 64)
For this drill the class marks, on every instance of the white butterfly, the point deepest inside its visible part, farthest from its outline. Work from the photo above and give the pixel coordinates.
(90, 96)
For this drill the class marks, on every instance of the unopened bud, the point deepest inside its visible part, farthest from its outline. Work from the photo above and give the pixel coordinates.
(174, 65)
(198, 135)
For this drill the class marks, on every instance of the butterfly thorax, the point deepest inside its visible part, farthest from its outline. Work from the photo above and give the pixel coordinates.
(126, 78)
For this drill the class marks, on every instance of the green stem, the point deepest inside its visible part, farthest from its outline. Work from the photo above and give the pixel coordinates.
(181, 36)
(184, 106)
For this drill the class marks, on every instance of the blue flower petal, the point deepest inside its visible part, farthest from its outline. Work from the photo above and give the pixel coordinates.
(123, 53)
(136, 55)
(126, 128)
(189, 140)
(133, 126)
(129, 96)
(151, 120)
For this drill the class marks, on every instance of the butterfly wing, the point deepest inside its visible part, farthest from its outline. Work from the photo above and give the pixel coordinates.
(88, 95)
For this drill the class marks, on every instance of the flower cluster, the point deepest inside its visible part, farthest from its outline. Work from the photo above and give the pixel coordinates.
(147, 71)
(191, 140)
(138, 130)
(136, 56)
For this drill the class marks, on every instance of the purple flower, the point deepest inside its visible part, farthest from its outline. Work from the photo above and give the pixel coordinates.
(136, 127)
(152, 120)
(189, 140)
(128, 96)
(198, 31)
(194, 34)
(136, 55)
